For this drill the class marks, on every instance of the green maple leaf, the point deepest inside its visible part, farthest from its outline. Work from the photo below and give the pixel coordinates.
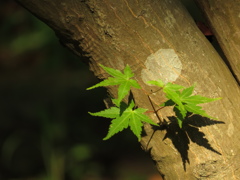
(129, 117)
(183, 100)
(158, 83)
(191, 101)
(122, 79)
(175, 97)
(112, 112)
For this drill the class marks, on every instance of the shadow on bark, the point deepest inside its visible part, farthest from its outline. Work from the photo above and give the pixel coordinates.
(190, 132)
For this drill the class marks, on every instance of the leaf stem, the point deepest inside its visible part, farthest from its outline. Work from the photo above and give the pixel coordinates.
(154, 110)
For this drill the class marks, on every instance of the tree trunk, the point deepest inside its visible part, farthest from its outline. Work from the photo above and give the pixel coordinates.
(159, 40)
(223, 18)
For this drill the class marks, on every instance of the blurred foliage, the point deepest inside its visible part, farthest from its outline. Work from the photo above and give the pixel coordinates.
(45, 130)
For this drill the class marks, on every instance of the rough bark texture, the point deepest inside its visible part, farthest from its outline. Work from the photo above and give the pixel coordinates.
(224, 18)
(159, 40)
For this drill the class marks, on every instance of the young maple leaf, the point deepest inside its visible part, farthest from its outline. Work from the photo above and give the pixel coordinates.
(135, 122)
(191, 101)
(173, 94)
(128, 117)
(183, 101)
(119, 78)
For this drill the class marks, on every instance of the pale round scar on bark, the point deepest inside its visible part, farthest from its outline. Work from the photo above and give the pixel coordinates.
(163, 64)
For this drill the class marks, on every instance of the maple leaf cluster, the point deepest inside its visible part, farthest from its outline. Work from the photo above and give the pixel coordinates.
(127, 115)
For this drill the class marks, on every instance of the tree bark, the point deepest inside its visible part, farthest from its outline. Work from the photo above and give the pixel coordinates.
(223, 18)
(159, 40)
